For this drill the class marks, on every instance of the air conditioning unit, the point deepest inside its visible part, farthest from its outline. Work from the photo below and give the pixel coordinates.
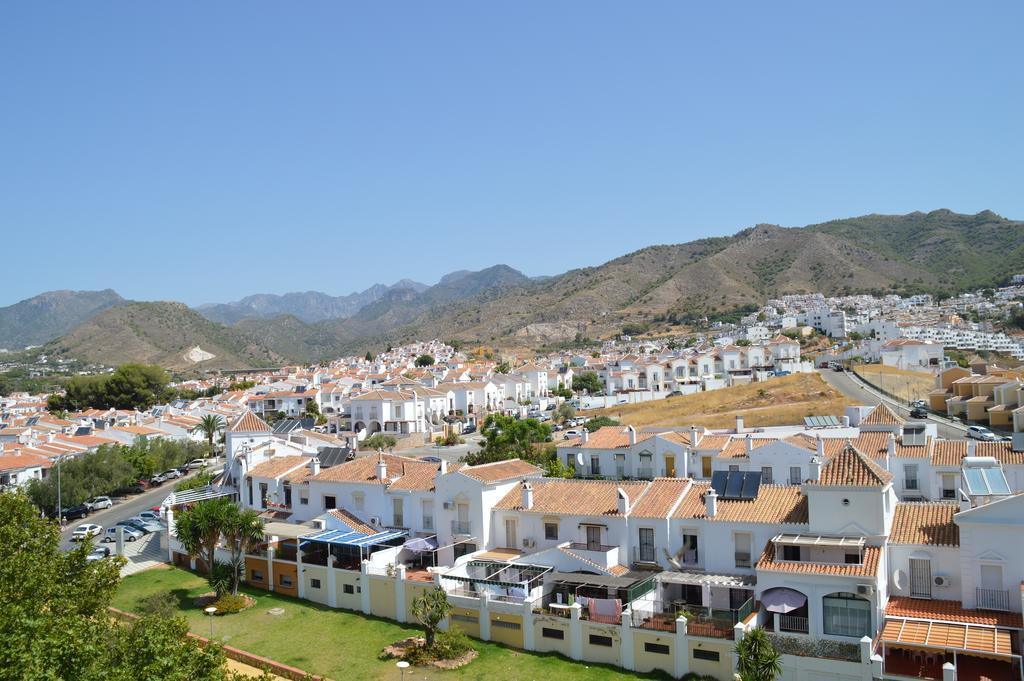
(942, 580)
(318, 523)
(529, 543)
(448, 505)
(374, 520)
(865, 589)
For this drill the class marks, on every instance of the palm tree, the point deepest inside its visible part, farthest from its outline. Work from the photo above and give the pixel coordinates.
(430, 609)
(758, 659)
(243, 532)
(199, 528)
(209, 425)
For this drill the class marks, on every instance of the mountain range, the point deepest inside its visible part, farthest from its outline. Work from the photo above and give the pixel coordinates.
(665, 285)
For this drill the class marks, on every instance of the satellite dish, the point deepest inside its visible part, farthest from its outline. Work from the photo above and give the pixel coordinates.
(580, 461)
(899, 579)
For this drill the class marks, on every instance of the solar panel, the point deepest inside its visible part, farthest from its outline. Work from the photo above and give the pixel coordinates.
(751, 483)
(718, 480)
(734, 485)
(996, 481)
(976, 483)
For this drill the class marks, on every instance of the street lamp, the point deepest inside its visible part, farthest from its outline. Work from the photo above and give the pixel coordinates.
(211, 611)
(403, 665)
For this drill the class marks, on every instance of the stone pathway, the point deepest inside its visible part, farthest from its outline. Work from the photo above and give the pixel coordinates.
(142, 554)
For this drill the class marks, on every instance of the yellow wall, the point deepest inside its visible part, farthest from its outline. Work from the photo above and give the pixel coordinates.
(470, 628)
(354, 600)
(259, 564)
(414, 590)
(382, 596)
(647, 662)
(311, 572)
(954, 374)
(593, 653)
(938, 402)
(1001, 418)
(510, 637)
(288, 569)
(720, 670)
(550, 645)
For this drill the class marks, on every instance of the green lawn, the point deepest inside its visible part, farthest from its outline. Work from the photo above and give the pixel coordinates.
(341, 644)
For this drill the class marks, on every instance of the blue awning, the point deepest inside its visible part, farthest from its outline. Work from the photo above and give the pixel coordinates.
(348, 537)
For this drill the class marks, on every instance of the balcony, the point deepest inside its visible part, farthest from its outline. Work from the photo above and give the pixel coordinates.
(462, 527)
(794, 624)
(645, 473)
(587, 546)
(993, 599)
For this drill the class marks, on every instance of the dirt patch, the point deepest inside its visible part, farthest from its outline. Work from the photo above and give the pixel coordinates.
(399, 649)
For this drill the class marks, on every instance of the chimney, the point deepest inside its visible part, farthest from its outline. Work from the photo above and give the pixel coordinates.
(971, 448)
(623, 501)
(821, 447)
(382, 468)
(693, 436)
(1018, 442)
(814, 469)
(51, 436)
(584, 435)
(750, 443)
(845, 420)
(711, 502)
(17, 451)
(739, 424)
(314, 466)
(442, 468)
(631, 431)
(891, 445)
(527, 495)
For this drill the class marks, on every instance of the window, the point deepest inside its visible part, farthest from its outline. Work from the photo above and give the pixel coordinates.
(595, 465)
(249, 483)
(920, 578)
(329, 502)
(766, 475)
(948, 486)
(263, 494)
(348, 588)
(502, 624)
(742, 553)
(659, 648)
(593, 538)
(428, 514)
(620, 465)
(846, 614)
(314, 583)
(464, 618)
(709, 655)
(734, 468)
(256, 576)
(794, 475)
(303, 501)
(852, 559)
(605, 641)
(690, 554)
(397, 513)
(287, 495)
(646, 545)
(791, 553)
(286, 580)
(463, 549)
(910, 476)
(545, 632)
(551, 531)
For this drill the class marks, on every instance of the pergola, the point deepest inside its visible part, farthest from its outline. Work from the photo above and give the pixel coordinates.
(964, 638)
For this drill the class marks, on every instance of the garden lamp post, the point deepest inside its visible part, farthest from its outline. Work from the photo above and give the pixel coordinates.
(402, 665)
(211, 611)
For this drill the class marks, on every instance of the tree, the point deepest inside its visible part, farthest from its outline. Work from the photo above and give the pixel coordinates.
(210, 425)
(564, 412)
(131, 386)
(379, 441)
(757, 658)
(506, 437)
(54, 619)
(430, 609)
(588, 381)
(312, 411)
(243, 532)
(600, 422)
(424, 361)
(199, 529)
(503, 369)
(369, 356)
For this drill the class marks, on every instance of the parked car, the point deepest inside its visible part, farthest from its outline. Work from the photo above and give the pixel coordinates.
(172, 473)
(99, 553)
(75, 512)
(142, 526)
(918, 413)
(919, 404)
(86, 530)
(469, 429)
(138, 487)
(130, 533)
(184, 470)
(570, 434)
(146, 517)
(158, 479)
(99, 503)
(198, 463)
(431, 459)
(557, 427)
(550, 407)
(981, 433)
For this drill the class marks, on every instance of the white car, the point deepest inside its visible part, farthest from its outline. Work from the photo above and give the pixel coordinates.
(98, 503)
(198, 463)
(173, 473)
(569, 434)
(130, 533)
(981, 433)
(98, 553)
(86, 530)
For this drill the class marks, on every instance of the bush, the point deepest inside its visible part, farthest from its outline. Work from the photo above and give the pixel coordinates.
(451, 644)
(163, 604)
(228, 604)
(451, 439)
(220, 578)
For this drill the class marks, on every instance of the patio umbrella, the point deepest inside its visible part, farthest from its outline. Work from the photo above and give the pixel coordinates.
(783, 600)
(421, 544)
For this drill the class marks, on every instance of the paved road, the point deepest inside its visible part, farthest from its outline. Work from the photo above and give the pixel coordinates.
(845, 383)
(449, 454)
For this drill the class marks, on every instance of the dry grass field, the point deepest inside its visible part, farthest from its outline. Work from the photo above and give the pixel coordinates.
(907, 385)
(780, 401)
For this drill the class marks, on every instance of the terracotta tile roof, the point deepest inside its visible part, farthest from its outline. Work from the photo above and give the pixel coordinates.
(278, 466)
(618, 570)
(352, 521)
(876, 444)
(882, 415)
(949, 611)
(948, 452)
(299, 475)
(928, 523)
(660, 498)
(850, 468)
(612, 437)
(414, 475)
(774, 504)
(869, 568)
(737, 447)
(501, 470)
(573, 497)
(248, 422)
(364, 469)
(713, 442)
(1003, 451)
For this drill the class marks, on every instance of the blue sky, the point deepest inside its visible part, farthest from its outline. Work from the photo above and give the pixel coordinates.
(204, 151)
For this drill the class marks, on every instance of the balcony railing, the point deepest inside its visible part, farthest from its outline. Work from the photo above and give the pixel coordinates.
(645, 473)
(461, 527)
(794, 624)
(587, 546)
(993, 599)
(644, 554)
